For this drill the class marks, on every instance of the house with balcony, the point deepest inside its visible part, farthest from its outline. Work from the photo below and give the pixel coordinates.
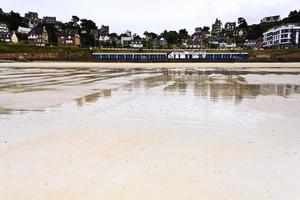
(285, 36)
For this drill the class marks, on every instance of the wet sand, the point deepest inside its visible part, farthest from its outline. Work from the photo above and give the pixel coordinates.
(92, 133)
(233, 65)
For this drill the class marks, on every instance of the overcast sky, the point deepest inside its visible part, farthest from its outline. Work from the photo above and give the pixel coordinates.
(154, 15)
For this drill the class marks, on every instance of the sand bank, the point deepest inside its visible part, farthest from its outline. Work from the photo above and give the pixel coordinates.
(150, 65)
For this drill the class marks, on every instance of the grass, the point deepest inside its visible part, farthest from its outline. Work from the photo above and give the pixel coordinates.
(25, 48)
(22, 47)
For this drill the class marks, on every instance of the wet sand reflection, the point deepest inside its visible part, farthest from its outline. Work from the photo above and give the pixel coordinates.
(211, 84)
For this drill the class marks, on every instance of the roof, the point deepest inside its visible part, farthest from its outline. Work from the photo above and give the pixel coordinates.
(221, 40)
(37, 31)
(24, 29)
(192, 41)
(71, 33)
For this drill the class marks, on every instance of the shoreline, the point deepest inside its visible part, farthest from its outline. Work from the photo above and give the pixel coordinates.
(116, 65)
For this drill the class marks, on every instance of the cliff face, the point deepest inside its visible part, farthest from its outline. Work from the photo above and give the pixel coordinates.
(47, 56)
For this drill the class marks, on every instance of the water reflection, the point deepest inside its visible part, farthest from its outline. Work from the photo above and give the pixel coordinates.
(30, 85)
(92, 98)
(226, 87)
(5, 111)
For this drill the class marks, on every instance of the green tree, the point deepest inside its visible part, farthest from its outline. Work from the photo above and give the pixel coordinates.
(206, 29)
(172, 37)
(242, 23)
(294, 17)
(88, 25)
(183, 34)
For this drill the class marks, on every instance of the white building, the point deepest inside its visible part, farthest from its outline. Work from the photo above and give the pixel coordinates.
(126, 39)
(286, 36)
(137, 43)
(104, 38)
(187, 55)
(14, 37)
(269, 19)
(227, 45)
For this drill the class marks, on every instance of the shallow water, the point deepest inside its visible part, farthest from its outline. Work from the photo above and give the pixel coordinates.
(149, 134)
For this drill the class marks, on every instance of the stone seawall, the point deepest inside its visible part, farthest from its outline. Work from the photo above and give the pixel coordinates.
(86, 56)
(46, 56)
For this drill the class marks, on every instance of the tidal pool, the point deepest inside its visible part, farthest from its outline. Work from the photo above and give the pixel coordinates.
(91, 133)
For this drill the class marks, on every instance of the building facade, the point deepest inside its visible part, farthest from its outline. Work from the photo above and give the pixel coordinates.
(136, 43)
(68, 38)
(49, 20)
(193, 43)
(230, 26)
(38, 36)
(126, 39)
(269, 19)
(286, 36)
(32, 15)
(216, 27)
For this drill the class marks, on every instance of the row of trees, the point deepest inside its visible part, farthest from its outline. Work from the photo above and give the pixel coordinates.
(86, 28)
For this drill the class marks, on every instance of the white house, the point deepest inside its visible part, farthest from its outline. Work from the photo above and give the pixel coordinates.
(227, 45)
(136, 43)
(269, 19)
(104, 38)
(14, 38)
(126, 38)
(285, 36)
(187, 54)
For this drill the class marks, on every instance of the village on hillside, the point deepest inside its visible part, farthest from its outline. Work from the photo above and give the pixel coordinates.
(271, 32)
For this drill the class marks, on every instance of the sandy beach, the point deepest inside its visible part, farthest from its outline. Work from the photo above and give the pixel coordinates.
(150, 65)
(107, 131)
